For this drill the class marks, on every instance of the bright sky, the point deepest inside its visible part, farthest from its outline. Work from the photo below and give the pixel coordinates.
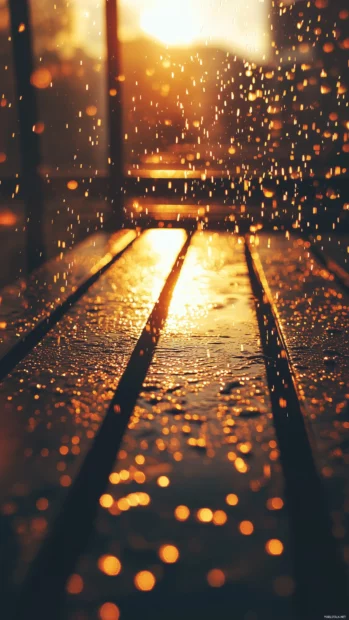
(239, 26)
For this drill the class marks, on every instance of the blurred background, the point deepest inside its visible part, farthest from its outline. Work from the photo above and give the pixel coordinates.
(233, 109)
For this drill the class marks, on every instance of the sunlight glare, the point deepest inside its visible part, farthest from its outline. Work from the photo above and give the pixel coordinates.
(172, 23)
(191, 298)
(238, 27)
(165, 243)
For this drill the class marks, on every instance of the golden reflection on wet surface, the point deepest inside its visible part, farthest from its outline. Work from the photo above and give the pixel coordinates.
(26, 302)
(195, 502)
(195, 497)
(190, 300)
(53, 403)
(198, 292)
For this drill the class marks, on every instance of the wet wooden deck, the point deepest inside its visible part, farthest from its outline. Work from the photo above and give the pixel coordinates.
(174, 429)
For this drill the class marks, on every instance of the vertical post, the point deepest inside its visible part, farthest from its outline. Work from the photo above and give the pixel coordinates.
(114, 94)
(29, 140)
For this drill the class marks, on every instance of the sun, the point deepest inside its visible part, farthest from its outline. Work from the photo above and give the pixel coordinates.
(170, 21)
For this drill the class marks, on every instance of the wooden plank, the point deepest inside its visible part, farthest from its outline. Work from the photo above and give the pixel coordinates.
(313, 310)
(52, 405)
(28, 307)
(201, 436)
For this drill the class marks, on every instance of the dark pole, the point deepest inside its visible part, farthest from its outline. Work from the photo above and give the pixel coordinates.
(115, 139)
(29, 140)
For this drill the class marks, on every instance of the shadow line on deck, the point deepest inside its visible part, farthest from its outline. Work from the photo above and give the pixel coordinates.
(67, 540)
(318, 568)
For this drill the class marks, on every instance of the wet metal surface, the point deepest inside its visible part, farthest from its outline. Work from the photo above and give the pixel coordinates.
(53, 403)
(313, 313)
(193, 520)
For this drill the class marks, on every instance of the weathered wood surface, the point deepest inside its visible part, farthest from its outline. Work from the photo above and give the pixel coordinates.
(313, 312)
(29, 303)
(205, 419)
(55, 399)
